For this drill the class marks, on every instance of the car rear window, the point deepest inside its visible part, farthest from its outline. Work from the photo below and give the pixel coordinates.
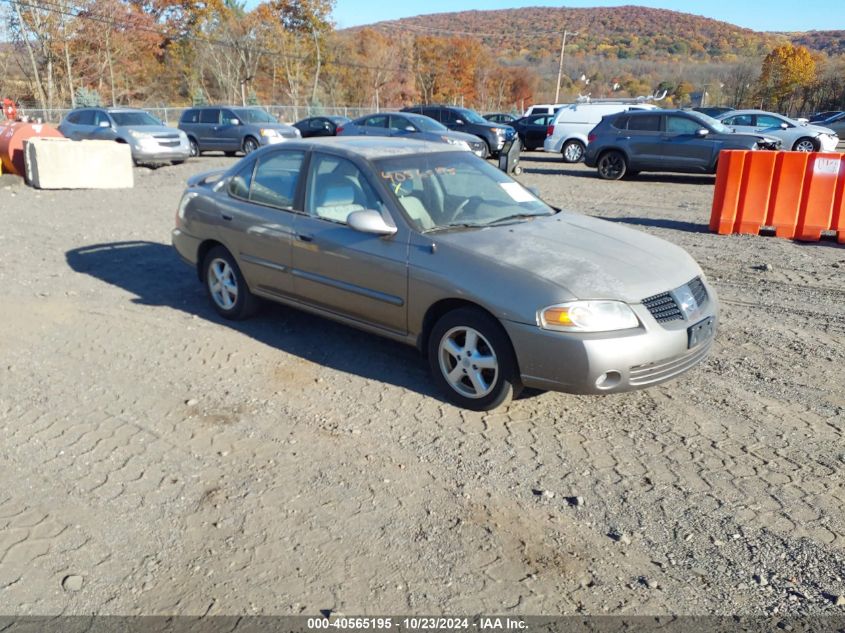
(212, 115)
(189, 116)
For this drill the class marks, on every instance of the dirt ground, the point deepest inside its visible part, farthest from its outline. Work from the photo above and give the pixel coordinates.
(155, 459)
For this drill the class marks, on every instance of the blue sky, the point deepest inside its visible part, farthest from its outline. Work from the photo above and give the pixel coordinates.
(772, 15)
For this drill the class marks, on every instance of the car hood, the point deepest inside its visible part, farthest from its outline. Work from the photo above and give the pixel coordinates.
(588, 257)
(150, 129)
(458, 136)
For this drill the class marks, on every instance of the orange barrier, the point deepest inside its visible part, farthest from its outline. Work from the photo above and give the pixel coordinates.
(799, 194)
(726, 196)
(12, 136)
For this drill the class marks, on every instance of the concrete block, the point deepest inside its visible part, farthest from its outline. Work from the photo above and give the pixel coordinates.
(65, 164)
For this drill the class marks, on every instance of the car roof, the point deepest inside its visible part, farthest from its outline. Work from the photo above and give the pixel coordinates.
(757, 112)
(372, 147)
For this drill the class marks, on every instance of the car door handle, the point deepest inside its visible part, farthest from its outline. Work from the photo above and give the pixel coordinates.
(626, 138)
(228, 218)
(304, 238)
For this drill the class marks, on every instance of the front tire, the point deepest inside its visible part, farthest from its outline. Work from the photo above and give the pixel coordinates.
(472, 361)
(612, 165)
(805, 144)
(195, 148)
(572, 151)
(226, 287)
(250, 145)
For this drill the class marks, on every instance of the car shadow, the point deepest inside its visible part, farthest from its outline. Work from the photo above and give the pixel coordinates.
(677, 225)
(157, 277)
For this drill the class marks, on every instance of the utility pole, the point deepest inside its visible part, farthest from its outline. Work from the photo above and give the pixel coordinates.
(560, 66)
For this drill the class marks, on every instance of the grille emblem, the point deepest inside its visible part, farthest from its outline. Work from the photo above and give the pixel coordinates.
(686, 301)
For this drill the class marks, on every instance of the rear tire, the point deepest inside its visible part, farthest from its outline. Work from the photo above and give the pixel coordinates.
(572, 151)
(612, 165)
(472, 360)
(226, 287)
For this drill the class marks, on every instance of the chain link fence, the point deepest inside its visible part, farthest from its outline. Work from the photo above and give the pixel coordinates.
(171, 114)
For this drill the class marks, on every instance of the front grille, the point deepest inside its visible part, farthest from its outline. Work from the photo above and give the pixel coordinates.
(664, 308)
(698, 290)
(166, 137)
(169, 143)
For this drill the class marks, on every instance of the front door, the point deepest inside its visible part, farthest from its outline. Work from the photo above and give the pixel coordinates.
(355, 274)
(683, 148)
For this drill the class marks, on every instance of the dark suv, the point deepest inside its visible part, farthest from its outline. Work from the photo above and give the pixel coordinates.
(232, 129)
(469, 121)
(663, 140)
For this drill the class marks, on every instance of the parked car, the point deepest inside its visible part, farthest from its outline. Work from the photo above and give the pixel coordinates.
(836, 123)
(818, 117)
(416, 126)
(431, 246)
(543, 108)
(320, 125)
(796, 136)
(232, 129)
(627, 143)
(713, 111)
(567, 133)
(149, 140)
(532, 130)
(500, 117)
(469, 121)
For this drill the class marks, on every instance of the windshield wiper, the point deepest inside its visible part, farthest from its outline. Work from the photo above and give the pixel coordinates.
(516, 216)
(454, 225)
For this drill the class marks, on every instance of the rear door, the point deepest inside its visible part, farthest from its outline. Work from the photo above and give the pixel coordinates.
(257, 218)
(642, 140)
(209, 120)
(683, 149)
(534, 129)
(358, 275)
(84, 126)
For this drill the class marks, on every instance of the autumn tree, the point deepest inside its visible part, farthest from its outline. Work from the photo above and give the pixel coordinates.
(785, 71)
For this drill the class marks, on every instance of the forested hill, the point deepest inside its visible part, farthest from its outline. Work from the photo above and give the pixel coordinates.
(613, 32)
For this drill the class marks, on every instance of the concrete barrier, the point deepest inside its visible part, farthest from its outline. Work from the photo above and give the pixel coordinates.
(65, 164)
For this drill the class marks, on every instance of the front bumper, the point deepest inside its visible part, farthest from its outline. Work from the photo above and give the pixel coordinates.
(608, 362)
(156, 153)
(551, 145)
(274, 140)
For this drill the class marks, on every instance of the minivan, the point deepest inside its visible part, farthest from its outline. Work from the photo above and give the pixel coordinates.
(567, 133)
(232, 129)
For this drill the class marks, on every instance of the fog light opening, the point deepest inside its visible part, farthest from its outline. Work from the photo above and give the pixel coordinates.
(608, 380)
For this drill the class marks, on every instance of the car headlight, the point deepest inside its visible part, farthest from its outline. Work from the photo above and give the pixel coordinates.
(268, 132)
(457, 142)
(498, 130)
(588, 316)
(139, 135)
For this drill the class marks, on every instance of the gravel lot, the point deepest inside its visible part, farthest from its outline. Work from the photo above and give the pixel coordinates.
(155, 459)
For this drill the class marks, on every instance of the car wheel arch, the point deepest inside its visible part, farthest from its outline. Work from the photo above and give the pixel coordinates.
(439, 309)
(202, 251)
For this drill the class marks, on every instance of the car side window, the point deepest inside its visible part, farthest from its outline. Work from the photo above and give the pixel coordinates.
(240, 182)
(100, 116)
(647, 123)
(620, 122)
(210, 116)
(739, 119)
(399, 123)
(764, 120)
(228, 116)
(275, 178)
(376, 121)
(336, 188)
(73, 118)
(681, 125)
(86, 117)
(190, 116)
(317, 124)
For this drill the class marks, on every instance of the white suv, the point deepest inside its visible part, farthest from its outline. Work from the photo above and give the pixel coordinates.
(567, 133)
(544, 108)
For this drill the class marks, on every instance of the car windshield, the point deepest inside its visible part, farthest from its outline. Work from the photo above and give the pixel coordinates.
(128, 119)
(452, 190)
(720, 127)
(255, 115)
(471, 117)
(426, 124)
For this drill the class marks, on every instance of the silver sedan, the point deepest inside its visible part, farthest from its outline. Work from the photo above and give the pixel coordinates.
(432, 246)
(794, 135)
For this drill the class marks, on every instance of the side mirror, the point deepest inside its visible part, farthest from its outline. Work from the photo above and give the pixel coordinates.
(410, 128)
(702, 132)
(459, 121)
(784, 126)
(369, 221)
(234, 121)
(104, 124)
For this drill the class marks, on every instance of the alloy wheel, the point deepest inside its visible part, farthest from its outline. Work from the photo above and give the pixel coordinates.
(222, 283)
(468, 362)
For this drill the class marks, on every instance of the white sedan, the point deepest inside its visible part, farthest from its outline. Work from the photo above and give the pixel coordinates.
(796, 136)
